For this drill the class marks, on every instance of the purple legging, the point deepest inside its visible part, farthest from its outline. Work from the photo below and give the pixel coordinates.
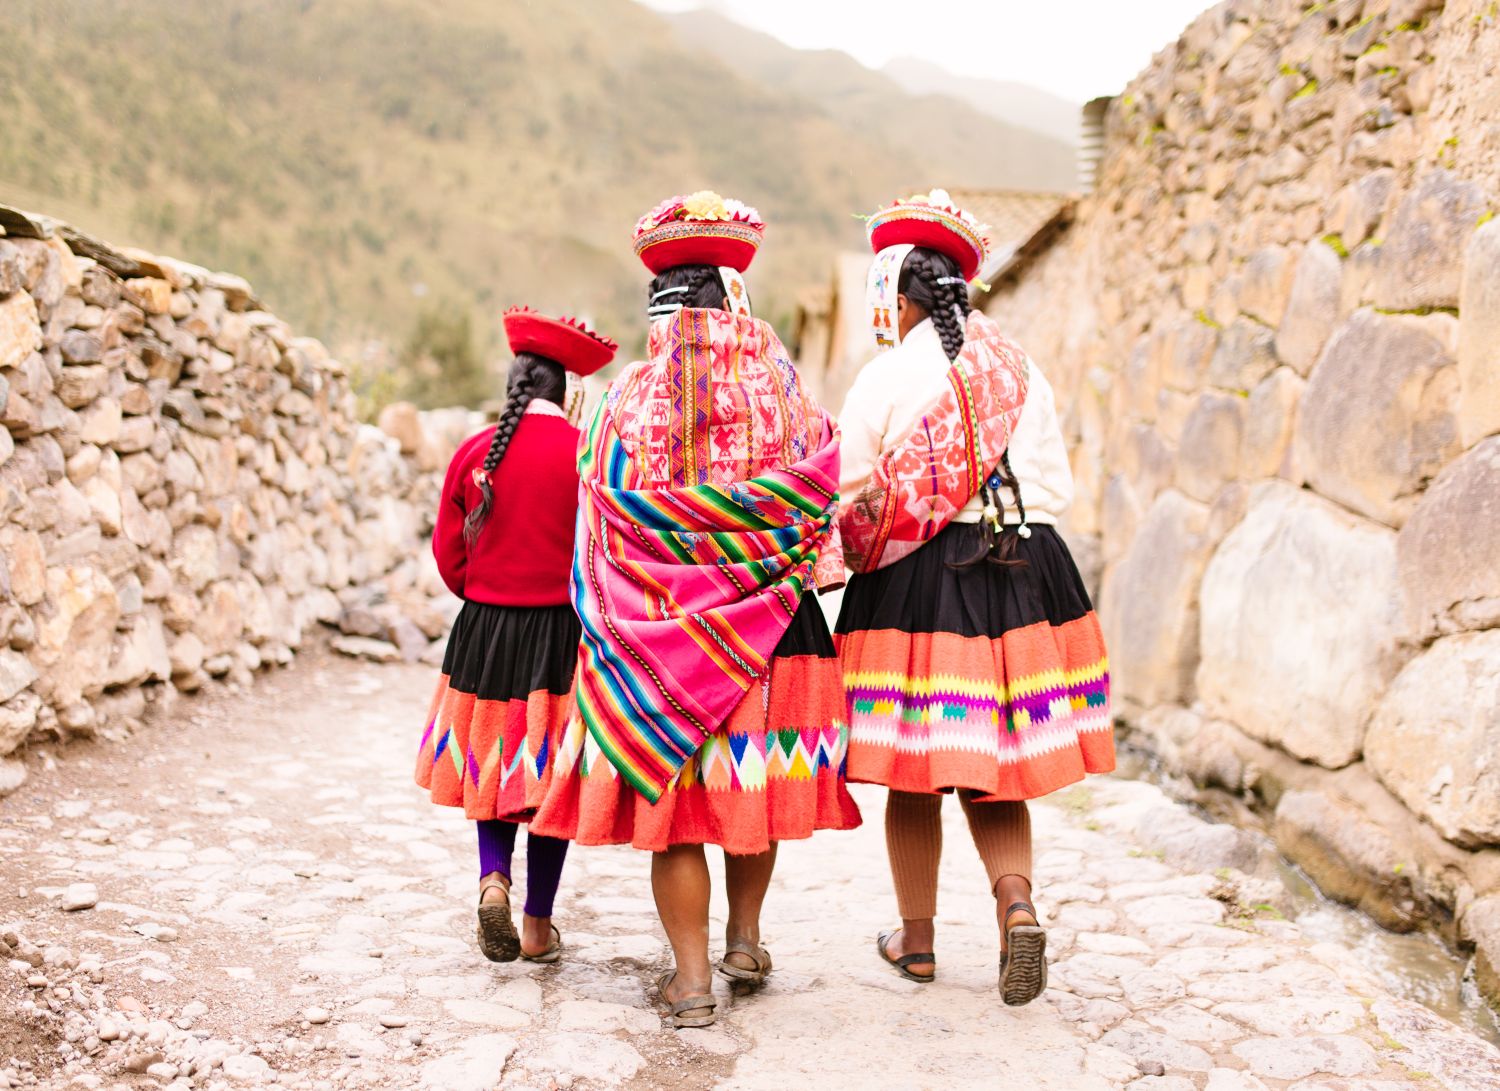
(544, 862)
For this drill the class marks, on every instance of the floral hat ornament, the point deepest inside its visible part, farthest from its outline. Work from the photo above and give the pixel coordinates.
(702, 228)
(930, 220)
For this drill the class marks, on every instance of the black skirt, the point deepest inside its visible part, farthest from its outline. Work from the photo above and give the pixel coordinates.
(807, 634)
(975, 676)
(504, 653)
(499, 709)
(934, 590)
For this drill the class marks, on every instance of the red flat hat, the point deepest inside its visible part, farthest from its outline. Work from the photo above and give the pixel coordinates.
(567, 340)
(699, 229)
(933, 223)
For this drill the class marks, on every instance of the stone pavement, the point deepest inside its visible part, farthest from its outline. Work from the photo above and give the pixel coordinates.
(262, 898)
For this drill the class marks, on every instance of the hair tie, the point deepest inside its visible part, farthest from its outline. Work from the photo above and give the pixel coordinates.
(659, 310)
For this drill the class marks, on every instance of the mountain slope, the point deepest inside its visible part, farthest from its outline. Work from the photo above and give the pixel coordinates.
(954, 141)
(359, 159)
(1012, 103)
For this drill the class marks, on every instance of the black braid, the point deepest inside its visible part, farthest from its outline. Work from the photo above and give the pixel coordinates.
(705, 288)
(947, 304)
(531, 377)
(932, 282)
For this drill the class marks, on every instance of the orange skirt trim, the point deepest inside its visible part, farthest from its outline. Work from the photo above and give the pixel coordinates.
(491, 758)
(1012, 717)
(773, 772)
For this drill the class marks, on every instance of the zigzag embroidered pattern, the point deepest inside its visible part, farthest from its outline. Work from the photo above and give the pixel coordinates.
(1031, 700)
(986, 741)
(731, 762)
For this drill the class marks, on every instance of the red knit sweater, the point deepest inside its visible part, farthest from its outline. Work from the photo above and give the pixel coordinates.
(524, 551)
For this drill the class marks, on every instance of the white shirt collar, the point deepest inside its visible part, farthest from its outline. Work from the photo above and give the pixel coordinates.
(542, 407)
(922, 335)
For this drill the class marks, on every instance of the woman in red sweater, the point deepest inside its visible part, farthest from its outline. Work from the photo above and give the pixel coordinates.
(504, 544)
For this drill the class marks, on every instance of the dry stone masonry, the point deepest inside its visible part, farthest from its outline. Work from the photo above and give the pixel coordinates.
(1276, 327)
(185, 492)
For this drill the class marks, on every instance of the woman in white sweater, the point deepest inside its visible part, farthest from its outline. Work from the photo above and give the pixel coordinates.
(972, 657)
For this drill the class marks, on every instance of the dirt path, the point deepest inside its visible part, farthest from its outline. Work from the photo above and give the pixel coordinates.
(276, 905)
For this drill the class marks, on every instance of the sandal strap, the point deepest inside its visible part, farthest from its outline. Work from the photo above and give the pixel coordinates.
(1016, 907)
(706, 1001)
(753, 951)
(905, 961)
(494, 884)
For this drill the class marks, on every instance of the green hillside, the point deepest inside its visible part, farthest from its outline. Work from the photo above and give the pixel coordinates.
(360, 160)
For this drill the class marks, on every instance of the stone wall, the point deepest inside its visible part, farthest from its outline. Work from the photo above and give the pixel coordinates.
(184, 491)
(1275, 326)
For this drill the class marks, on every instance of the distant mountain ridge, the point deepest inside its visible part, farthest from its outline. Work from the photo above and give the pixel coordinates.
(957, 129)
(1018, 104)
(360, 159)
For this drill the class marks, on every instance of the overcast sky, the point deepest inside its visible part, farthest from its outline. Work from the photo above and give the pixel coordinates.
(1074, 48)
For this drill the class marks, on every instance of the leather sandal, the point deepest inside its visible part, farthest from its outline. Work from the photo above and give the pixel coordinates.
(905, 962)
(498, 940)
(553, 951)
(690, 1011)
(1023, 963)
(740, 977)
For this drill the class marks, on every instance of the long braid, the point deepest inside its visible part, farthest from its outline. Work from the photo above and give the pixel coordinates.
(931, 281)
(531, 377)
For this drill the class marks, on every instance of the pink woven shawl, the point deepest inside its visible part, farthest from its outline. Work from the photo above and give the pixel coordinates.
(686, 576)
(927, 476)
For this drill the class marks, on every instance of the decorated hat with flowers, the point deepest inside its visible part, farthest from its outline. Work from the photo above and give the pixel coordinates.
(931, 220)
(702, 228)
(567, 340)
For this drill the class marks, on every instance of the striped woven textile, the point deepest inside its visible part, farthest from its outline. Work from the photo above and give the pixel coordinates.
(683, 592)
(928, 476)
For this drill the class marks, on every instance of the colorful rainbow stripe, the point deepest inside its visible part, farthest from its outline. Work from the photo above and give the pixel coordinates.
(683, 593)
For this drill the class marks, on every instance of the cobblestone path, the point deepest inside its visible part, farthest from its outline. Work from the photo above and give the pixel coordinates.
(268, 901)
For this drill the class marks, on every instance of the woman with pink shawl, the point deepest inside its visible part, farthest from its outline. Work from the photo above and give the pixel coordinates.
(710, 700)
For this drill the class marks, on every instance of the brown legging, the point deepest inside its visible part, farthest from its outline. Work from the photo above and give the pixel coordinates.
(914, 839)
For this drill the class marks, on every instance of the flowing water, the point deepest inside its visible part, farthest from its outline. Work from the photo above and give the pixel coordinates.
(1415, 966)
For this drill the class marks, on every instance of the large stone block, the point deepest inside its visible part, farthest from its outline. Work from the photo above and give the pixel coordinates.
(1313, 311)
(1479, 337)
(1244, 356)
(1299, 624)
(1270, 420)
(1481, 927)
(1351, 857)
(195, 556)
(1149, 605)
(1209, 452)
(1422, 260)
(20, 329)
(1435, 740)
(74, 640)
(1447, 551)
(1266, 284)
(141, 655)
(16, 673)
(1376, 421)
(1357, 208)
(1120, 516)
